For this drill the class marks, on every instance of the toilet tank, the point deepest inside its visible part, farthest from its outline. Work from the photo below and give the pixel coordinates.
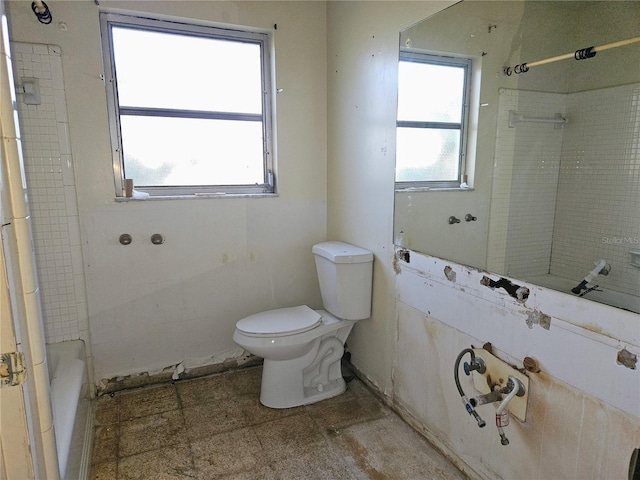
(345, 273)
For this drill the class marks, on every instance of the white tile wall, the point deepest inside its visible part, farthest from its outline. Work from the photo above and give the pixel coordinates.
(595, 177)
(51, 189)
(526, 167)
(599, 187)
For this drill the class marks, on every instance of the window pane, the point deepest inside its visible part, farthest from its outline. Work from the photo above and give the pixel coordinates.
(166, 70)
(427, 155)
(430, 93)
(183, 151)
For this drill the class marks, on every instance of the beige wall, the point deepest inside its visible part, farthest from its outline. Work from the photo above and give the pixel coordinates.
(151, 307)
(362, 56)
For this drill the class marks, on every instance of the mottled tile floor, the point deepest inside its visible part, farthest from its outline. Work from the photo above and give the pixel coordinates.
(215, 428)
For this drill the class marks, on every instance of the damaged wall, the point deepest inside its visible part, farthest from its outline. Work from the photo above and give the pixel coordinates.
(583, 418)
(152, 306)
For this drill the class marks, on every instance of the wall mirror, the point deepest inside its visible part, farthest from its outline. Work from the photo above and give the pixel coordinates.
(552, 192)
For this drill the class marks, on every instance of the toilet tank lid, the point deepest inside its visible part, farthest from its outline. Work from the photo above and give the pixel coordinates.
(340, 252)
(282, 321)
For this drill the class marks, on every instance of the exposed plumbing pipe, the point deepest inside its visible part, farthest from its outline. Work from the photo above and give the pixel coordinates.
(492, 397)
(502, 416)
(474, 365)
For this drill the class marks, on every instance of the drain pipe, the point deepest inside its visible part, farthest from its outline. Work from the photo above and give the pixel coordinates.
(502, 416)
(23, 278)
(468, 368)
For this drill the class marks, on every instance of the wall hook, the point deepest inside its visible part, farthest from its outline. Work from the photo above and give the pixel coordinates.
(470, 218)
(453, 220)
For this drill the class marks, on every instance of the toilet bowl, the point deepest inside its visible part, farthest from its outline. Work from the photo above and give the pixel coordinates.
(302, 347)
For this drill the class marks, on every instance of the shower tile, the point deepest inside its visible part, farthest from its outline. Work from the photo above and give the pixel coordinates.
(66, 167)
(44, 134)
(148, 401)
(169, 463)
(151, 432)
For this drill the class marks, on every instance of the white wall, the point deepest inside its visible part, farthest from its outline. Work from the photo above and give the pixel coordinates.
(154, 306)
(362, 44)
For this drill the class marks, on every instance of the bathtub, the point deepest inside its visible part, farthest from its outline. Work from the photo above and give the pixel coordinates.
(72, 416)
(608, 297)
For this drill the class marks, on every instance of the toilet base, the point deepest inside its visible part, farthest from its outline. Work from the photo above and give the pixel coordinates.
(335, 388)
(311, 395)
(283, 386)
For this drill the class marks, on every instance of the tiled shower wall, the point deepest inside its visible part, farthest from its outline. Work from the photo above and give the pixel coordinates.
(523, 198)
(598, 214)
(591, 165)
(52, 194)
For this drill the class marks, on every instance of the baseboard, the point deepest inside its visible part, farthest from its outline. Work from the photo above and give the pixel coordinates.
(118, 384)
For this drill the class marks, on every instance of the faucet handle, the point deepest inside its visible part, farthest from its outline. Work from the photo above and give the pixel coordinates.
(477, 364)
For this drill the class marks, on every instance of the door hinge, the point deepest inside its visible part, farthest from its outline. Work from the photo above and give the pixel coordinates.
(12, 369)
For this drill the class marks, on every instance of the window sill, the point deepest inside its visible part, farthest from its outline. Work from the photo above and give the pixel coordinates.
(433, 189)
(202, 196)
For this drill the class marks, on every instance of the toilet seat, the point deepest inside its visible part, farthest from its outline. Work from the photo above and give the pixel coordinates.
(280, 322)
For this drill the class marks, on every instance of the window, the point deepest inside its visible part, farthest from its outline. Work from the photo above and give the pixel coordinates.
(433, 94)
(189, 107)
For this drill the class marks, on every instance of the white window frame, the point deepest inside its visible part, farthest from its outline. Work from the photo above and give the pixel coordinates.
(110, 19)
(466, 64)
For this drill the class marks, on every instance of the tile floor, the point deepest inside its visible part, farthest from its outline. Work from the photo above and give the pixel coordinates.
(215, 428)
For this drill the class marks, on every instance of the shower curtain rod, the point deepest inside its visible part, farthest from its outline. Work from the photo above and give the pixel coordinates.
(581, 54)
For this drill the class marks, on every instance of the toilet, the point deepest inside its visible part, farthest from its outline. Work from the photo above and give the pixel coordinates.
(302, 347)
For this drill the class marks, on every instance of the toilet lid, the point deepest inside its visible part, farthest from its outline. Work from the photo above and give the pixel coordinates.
(282, 321)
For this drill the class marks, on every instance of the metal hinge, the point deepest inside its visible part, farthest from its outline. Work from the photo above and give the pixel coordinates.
(12, 369)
